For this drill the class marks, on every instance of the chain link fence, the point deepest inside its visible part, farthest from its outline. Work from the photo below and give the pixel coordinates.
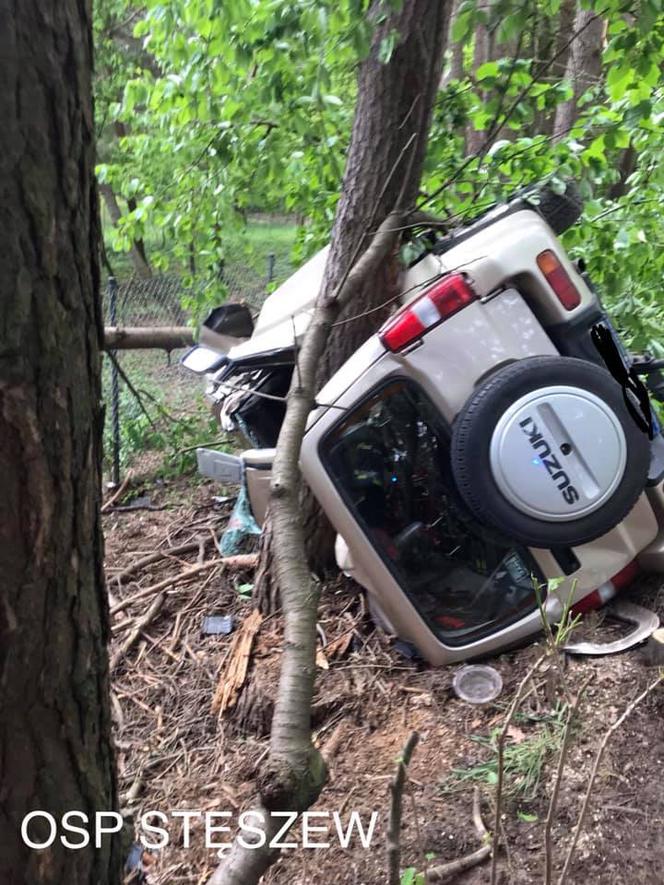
(145, 389)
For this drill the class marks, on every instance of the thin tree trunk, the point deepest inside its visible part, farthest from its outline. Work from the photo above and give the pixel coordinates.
(626, 166)
(584, 66)
(138, 256)
(381, 161)
(55, 750)
(455, 69)
(481, 54)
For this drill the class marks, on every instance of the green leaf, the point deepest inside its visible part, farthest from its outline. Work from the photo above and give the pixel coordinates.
(387, 46)
(619, 78)
(488, 69)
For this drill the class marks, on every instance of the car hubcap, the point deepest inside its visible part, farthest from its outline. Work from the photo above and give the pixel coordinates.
(558, 453)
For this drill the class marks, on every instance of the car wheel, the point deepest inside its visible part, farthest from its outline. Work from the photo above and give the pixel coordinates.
(546, 453)
(560, 211)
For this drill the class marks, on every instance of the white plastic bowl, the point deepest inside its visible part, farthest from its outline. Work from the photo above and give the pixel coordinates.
(477, 684)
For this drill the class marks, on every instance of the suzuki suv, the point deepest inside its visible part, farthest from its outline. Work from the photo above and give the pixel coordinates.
(494, 434)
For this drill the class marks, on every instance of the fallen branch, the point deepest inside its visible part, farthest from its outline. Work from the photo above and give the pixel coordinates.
(548, 848)
(133, 508)
(502, 736)
(593, 775)
(118, 493)
(445, 872)
(160, 554)
(141, 624)
(241, 561)
(232, 679)
(138, 337)
(396, 805)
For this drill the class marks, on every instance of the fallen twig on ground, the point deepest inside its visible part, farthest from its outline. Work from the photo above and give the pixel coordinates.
(593, 774)
(141, 623)
(232, 679)
(502, 736)
(159, 554)
(548, 848)
(118, 493)
(396, 805)
(445, 872)
(241, 561)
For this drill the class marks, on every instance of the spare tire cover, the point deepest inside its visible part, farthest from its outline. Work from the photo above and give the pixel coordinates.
(546, 452)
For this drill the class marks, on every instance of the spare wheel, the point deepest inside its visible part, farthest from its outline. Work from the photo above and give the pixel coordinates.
(546, 452)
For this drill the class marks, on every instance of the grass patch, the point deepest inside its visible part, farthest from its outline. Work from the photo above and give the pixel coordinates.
(524, 758)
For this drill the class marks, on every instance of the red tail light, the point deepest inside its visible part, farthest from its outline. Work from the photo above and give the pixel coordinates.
(558, 278)
(445, 298)
(608, 590)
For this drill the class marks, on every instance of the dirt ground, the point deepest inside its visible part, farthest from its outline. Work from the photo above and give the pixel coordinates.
(175, 754)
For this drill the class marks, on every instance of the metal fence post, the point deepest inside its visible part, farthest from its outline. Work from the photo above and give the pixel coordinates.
(271, 259)
(115, 388)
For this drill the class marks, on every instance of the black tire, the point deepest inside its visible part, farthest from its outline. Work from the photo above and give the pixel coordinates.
(560, 211)
(470, 452)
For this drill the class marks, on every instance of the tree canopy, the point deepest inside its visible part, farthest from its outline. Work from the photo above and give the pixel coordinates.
(207, 110)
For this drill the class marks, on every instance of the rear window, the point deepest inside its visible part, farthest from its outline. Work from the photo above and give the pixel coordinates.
(390, 460)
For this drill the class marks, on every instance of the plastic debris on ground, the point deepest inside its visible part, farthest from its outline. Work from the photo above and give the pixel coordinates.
(241, 528)
(217, 625)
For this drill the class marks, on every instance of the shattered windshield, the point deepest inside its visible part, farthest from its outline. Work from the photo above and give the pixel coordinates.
(390, 460)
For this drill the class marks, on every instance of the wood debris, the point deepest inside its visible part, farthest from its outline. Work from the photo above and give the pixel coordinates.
(234, 675)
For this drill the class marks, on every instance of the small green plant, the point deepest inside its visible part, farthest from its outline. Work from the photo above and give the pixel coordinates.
(567, 622)
(410, 876)
(523, 760)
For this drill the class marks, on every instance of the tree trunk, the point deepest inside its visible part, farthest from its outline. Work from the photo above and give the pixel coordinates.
(584, 66)
(137, 252)
(390, 130)
(385, 157)
(481, 54)
(146, 337)
(55, 750)
(455, 69)
(626, 167)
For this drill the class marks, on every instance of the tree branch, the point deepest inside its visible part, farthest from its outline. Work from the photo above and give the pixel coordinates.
(447, 871)
(562, 758)
(501, 750)
(593, 775)
(394, 826)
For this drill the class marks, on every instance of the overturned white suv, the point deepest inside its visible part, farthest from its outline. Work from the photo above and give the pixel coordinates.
(492, 435)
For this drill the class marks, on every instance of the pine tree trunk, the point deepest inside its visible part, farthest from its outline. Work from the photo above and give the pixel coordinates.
(55, 750)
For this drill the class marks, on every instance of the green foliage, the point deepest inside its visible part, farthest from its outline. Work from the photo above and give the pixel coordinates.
(150, 426)
(251, 111)
(208, 109)
(410, 876)
(523, 760)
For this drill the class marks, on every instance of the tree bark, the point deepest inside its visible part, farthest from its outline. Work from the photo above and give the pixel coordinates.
(390, 130)
(628, 160)
(584, 66)
(481, 54)
(55, 750)
(155, 337)
(455, 69)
